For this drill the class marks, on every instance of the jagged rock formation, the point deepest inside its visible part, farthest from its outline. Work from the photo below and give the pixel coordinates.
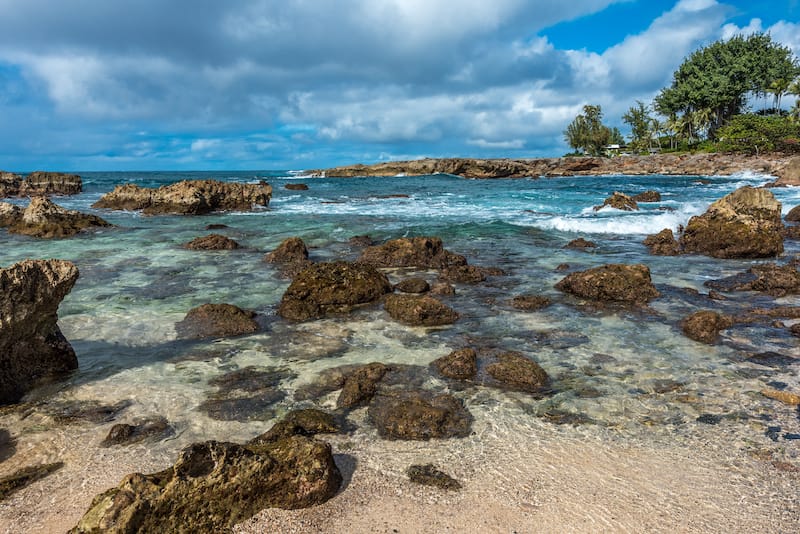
(39, 183)
(45, 219)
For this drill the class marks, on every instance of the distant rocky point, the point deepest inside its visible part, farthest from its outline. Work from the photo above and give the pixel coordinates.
(39, 183)
(785, 167)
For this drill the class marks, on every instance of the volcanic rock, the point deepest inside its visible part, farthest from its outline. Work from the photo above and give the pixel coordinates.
(9, 214)
(296, 187)
(663, 243)
(419, 415)
(332, 287)
(429, 475)
(420, 252)
(743, 224)
(50, 183)
(619, 201)
(581, 243)
(215, 485)
(217, 320)
(613, 282)
(188, 197)
(361, 385)
(419, 310)
(463, 274)
(461, 364)
(530, 302)
(647, 196)
(42, 218)
(413, 285)
(516, 371)
(793, 215)
(32, 348)
(705, 326)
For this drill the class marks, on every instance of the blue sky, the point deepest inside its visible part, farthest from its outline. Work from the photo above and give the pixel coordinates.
(298, 84)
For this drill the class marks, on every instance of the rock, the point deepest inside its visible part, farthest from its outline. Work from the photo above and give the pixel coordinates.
(785, 397)
(215, 485)
(442, 289)
(82, 411)
(647, 196)
(420, 252)
(613, 282)
(793, 215)
(212, 242)
(296, 187)
(530, 302)
(188, 197)
(51, 183)
(216, 226)
(247, 394)
(308, 422)
(775, 280)
(413, 285)
(42, 218)
(153, 428)
(419, 415)
(705, 326)
(518, 372)
(419, 310)
(791, 232)
(743, 224)
(619, 201)
(795, 329)
(9, 214)
(461, 364)
(789, 174)
(9, 184)
(361, 385)
(361, 241)
(32, 348)
(463, 274)
(581, 243)
(291, 255)
(27, 475)
(429, 475)
(663, 243)
(217, 320)
(334, 287)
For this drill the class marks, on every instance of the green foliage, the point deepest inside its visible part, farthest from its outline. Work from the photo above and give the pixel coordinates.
(638, 118)
(715, 81)
(588, 134)
(754, 134)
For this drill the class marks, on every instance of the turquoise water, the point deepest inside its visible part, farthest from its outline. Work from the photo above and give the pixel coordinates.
(628, 371)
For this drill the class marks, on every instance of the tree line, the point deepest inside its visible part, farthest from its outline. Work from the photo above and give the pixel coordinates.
(706, 106)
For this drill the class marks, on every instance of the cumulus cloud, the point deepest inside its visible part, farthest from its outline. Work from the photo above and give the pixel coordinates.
(200, 83)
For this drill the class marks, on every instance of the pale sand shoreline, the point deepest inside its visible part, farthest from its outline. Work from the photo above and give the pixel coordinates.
(529, 478)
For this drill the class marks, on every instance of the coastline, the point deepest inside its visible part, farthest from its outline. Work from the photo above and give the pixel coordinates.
(778, 165)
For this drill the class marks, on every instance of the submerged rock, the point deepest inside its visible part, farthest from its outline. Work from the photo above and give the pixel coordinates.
(420, 252)
(247, 394)
(704, 326)
(516, 371)
(296, 187)
(419, 310)
(217, 320)
(212, 242)
(154, 428)
(429, 475)
(743, 224)
(308, 422)
(463, 274)
(25, 476)
(361, 385)
(188, 197)
(581, 243)
(775, 280)
(32, 347)
(663, 243)
(330, 288)
(215, 485)
(530, 302)
(613, 282)
(419, 415)
(461, 364)
(619, 201)
(44, 219)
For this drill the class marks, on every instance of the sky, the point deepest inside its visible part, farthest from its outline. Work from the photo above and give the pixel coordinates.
(92, 85)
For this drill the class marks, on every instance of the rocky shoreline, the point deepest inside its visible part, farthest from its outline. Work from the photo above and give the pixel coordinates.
(786, 168)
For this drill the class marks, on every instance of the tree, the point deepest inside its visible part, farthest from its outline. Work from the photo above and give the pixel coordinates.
(638, 118)
(587, 133)
(720, 78)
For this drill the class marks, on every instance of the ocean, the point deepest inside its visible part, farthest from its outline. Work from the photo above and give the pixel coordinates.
(620, 374)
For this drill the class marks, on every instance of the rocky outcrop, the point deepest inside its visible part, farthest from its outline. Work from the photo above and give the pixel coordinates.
(361, 385)
(9, 214)
(581, 243)
(516, 371)
(32, 348)
(215, 485)
(788, 174)
(419, 415)
(217, 320)
(212, 242)
(530, 302)
(44, 219)
(663, 243)
(39, 183)
(291, 256)
(647, 196)
(420, 252)
(188, 197)
(775, 280)
(743, 224)
(619, 201)
(461, 364)
(296, 187)
(333, 287)
(705, 326)
(419, 310)
(666, 164)
(413, 285)
(793, 215)
(613, 283)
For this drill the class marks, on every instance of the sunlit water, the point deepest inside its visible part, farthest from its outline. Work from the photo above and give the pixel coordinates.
(628, 374)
